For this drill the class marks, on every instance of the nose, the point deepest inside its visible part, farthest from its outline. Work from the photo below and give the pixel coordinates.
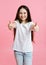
(22, 15)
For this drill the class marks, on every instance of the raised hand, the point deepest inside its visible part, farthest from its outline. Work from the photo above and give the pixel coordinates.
(34, 27)
(10, 25)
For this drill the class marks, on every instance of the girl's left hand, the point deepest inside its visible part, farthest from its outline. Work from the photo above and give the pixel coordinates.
(34, 27)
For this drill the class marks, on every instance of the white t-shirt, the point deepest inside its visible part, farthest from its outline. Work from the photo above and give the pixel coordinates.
(23, 42)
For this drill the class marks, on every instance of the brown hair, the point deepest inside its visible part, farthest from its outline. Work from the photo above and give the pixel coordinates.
(28, 18)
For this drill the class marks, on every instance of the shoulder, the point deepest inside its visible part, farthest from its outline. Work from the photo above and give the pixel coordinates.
(31, 23)
(17, 21)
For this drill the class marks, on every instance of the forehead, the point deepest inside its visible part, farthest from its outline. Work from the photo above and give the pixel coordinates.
(22, 10)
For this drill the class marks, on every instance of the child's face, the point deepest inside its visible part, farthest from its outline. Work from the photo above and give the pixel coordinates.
(23, 14)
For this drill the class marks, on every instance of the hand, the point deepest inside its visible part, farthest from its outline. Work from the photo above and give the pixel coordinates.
(32, 26)
(36, 28)
(10, 25)
(35, 24)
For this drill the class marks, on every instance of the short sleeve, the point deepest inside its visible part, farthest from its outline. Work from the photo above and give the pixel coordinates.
(16, 23)
(31, 23)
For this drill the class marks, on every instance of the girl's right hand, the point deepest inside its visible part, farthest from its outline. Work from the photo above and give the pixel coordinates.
(10, 25)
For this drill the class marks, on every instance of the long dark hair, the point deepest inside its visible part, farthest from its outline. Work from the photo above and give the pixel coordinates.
(28, 18)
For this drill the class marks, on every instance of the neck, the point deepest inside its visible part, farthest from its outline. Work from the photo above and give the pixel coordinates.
(24, 21)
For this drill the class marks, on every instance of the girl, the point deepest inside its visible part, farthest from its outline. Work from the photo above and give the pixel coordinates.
(24, 28)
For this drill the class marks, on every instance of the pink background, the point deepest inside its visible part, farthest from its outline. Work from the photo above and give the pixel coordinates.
(8, 10)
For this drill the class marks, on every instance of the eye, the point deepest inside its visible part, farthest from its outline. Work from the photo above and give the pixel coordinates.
(20, 12)
(24, 12)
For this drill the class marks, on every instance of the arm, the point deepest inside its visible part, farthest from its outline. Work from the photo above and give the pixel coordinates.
(34, 27)
(11, 25)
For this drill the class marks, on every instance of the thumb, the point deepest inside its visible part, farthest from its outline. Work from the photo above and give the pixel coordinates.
(35, 23)
(9, 21)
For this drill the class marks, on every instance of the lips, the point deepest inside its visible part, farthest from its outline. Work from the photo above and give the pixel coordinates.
(22, 17)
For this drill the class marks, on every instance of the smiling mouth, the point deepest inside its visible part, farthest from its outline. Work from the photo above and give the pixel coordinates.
(23, 17)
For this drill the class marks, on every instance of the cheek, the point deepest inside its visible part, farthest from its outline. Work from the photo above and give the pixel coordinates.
(19, 15)
(26, 15)
(23, 15)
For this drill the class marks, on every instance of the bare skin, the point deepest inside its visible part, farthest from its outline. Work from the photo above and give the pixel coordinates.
(23, 16)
